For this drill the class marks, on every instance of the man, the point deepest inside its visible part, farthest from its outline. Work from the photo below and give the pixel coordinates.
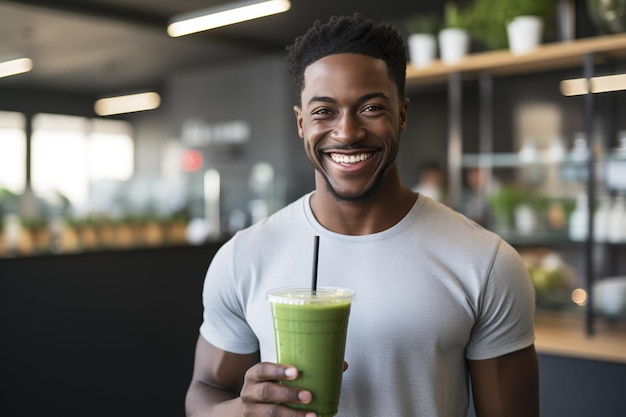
(439, 299)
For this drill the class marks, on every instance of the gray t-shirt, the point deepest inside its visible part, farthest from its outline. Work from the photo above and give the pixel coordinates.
(432, 291)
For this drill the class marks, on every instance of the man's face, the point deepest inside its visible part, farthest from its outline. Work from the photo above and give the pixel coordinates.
(350, 119)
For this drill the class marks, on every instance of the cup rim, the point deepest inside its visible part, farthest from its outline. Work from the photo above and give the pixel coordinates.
(323, 295)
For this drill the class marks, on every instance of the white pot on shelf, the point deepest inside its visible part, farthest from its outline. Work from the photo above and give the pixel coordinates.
(453, 45)
(422, 49)
(609, 296)
(524, 34)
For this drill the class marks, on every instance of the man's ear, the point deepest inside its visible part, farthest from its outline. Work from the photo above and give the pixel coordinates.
(298, 112)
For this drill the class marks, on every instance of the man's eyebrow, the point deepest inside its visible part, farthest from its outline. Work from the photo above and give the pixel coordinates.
(373, 95)
(326, 99)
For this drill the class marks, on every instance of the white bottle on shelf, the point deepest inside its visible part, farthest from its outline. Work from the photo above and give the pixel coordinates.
(578, 219)
(601, 223)
(617, 220)
(580, 151)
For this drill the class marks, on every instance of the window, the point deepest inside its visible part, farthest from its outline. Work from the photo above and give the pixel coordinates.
(69, 153)
(58, 155)
(12, 151)
(110, 151)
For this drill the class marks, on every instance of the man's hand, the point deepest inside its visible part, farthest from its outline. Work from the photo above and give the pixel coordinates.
(232, 385)
(261, 393)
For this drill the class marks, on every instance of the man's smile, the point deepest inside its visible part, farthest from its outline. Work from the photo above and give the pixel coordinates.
(350, 159)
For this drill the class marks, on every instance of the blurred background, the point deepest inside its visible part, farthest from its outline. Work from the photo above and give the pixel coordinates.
(523, 136)
(68, 174)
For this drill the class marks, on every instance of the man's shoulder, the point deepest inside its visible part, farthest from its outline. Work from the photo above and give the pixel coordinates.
(455, 231)
(445, 216)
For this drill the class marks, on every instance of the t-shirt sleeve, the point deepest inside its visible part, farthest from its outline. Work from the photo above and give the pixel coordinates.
(224, 323)
(505, 321)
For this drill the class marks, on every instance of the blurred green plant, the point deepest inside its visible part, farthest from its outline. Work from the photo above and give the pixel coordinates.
(8, 202)
(609, 16)
(487, 19)
(456, 16)
(503, 203)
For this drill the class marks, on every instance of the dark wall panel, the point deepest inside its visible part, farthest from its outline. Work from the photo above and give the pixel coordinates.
(100, 334)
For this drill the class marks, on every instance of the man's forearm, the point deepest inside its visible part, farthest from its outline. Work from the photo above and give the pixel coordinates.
(203, 400)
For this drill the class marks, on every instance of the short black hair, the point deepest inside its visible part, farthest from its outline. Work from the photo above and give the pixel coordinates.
(349, 34)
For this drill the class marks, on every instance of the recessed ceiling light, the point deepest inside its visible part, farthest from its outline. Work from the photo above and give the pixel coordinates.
(15, 66)
(602, 84)
(127, 104)
(228, 14)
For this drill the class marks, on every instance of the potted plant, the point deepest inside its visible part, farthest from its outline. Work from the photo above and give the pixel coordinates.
(524, 33)
(609, 16)
(422, 39)
(454, 36)
(503, 203)
(488, 21)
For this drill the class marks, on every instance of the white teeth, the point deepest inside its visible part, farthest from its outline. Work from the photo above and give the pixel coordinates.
(350, 159)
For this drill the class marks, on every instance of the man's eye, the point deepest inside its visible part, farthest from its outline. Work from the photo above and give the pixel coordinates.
(371, 107)
(321, 112)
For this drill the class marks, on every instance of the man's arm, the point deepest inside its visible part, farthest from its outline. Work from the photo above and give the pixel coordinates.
(226, 384)
(506, 386)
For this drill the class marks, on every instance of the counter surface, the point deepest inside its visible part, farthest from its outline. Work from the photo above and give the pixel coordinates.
(564, 334)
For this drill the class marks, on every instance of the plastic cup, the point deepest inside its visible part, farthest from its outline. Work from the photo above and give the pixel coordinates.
(310, 331)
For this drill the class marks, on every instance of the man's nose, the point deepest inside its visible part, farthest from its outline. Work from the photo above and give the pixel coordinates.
(348, 129)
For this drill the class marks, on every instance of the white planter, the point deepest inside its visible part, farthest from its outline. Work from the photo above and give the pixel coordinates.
(453, 45)
(422, 49)
(524, 33)
(610, 296)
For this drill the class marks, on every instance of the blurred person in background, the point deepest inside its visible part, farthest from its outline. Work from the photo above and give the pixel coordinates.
(432, 181)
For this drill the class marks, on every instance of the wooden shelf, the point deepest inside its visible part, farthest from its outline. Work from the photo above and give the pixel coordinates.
(547, 57)
(556, 333)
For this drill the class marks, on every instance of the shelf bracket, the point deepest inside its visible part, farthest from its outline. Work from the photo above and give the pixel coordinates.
(591, 189)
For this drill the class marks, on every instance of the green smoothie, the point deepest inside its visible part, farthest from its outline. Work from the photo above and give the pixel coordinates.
(310, 331)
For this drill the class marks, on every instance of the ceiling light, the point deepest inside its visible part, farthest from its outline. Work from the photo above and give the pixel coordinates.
(15, 66)
(228, 14)
(127, 104)
(608, 83)
(604, 84)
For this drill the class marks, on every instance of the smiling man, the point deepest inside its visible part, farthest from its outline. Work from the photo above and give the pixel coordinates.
(440, 300)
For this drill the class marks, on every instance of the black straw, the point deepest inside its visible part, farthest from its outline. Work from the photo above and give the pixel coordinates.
(315, 257)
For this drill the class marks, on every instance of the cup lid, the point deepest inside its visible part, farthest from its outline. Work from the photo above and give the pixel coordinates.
(323, 295)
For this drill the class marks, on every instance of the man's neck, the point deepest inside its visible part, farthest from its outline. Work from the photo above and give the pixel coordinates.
(379, 213)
